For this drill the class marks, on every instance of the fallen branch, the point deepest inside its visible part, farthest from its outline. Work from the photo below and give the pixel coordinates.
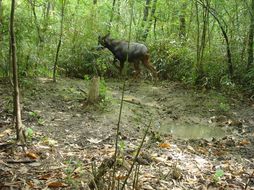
(132, 101)
(20, 161)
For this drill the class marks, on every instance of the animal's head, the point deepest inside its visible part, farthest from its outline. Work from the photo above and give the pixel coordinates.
(103, 40)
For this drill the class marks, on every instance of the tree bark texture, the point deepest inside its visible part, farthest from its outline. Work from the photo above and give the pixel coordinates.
(16, 99)
(111, 16)
(1, 21)
(59, 42)
(250, 41)
(93, 95)
(225, 35)
(148, 26)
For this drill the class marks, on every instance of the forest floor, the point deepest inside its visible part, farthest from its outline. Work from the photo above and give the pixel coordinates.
(199, 139)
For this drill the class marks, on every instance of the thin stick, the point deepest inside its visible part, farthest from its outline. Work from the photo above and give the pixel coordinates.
(136, 156)
(121, 106)
(20, 161)
(117, 136)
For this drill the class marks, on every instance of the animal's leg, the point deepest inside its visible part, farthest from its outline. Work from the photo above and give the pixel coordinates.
(121, 67)
(148, 65)
(137, 69)
(114, 63)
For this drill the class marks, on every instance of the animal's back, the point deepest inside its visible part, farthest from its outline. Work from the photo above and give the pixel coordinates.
(135, 50)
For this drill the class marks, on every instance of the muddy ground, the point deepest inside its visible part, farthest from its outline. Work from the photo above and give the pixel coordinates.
(194, 133)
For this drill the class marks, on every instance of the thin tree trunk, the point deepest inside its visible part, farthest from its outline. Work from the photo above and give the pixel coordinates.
(16, 99)
(224, 34)
(40, 39)
(154, 28)
(144, 20)
(198, 66)
(1, 21)
(75, 34)
(148, 27)
(250, 41)
(182, 22)
(59, 42)
(112, 15)
(204, 34)
(146, 12)
(46, 17)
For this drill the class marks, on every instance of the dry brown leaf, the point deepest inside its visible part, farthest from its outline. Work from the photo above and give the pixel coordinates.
(31, 184)
(164, 145)
(202, 150)
(45, 177)
(31, 155)
(219, 152)
(120, 177)
(57, 184)
(244, 142)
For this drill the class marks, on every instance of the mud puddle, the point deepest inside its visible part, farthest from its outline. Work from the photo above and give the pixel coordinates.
(193, 131)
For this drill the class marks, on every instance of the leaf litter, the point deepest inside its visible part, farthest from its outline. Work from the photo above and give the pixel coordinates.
(70, 139)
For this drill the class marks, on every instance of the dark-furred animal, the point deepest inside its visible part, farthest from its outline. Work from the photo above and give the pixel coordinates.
(137, 54)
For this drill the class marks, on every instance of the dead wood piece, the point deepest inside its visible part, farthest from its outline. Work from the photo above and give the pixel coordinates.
(82, 90)
(105, 166)
(93, 94)
(5, 145)
(132, 102)
(20, 161)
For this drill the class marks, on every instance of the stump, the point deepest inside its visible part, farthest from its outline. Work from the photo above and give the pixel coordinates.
(93, 94)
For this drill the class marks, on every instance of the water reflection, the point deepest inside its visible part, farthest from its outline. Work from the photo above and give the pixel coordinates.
(193, 131)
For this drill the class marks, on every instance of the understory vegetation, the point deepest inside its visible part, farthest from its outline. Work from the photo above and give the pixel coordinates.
(75, 114)
(200, 42)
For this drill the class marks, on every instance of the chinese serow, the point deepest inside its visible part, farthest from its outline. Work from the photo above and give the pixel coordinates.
(138, 53)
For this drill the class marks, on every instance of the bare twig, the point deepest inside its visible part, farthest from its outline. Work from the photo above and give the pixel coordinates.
(137, 154)
(20, 161)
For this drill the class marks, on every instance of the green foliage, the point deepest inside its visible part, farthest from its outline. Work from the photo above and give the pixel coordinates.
(122, 146)
(172, 60)
(34, 116)
(29, 133)
(73, 165)
(218, 175)
(224, 107)
(248, 80)
(175, 57)
(102, 89)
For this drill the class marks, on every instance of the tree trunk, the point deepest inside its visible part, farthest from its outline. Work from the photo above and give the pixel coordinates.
(93, 94)
(1, 21)
(250, 41)
(224, 34)
(40, 39)
(204, 34)
(182, 22)
(148, 27)
(144, 20)
(46, 11)
(16, 99)
(111, 16)
(59, 42)
(198, 66)
(146, 12)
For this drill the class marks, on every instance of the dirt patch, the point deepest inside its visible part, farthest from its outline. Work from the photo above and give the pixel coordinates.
(191, 129)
